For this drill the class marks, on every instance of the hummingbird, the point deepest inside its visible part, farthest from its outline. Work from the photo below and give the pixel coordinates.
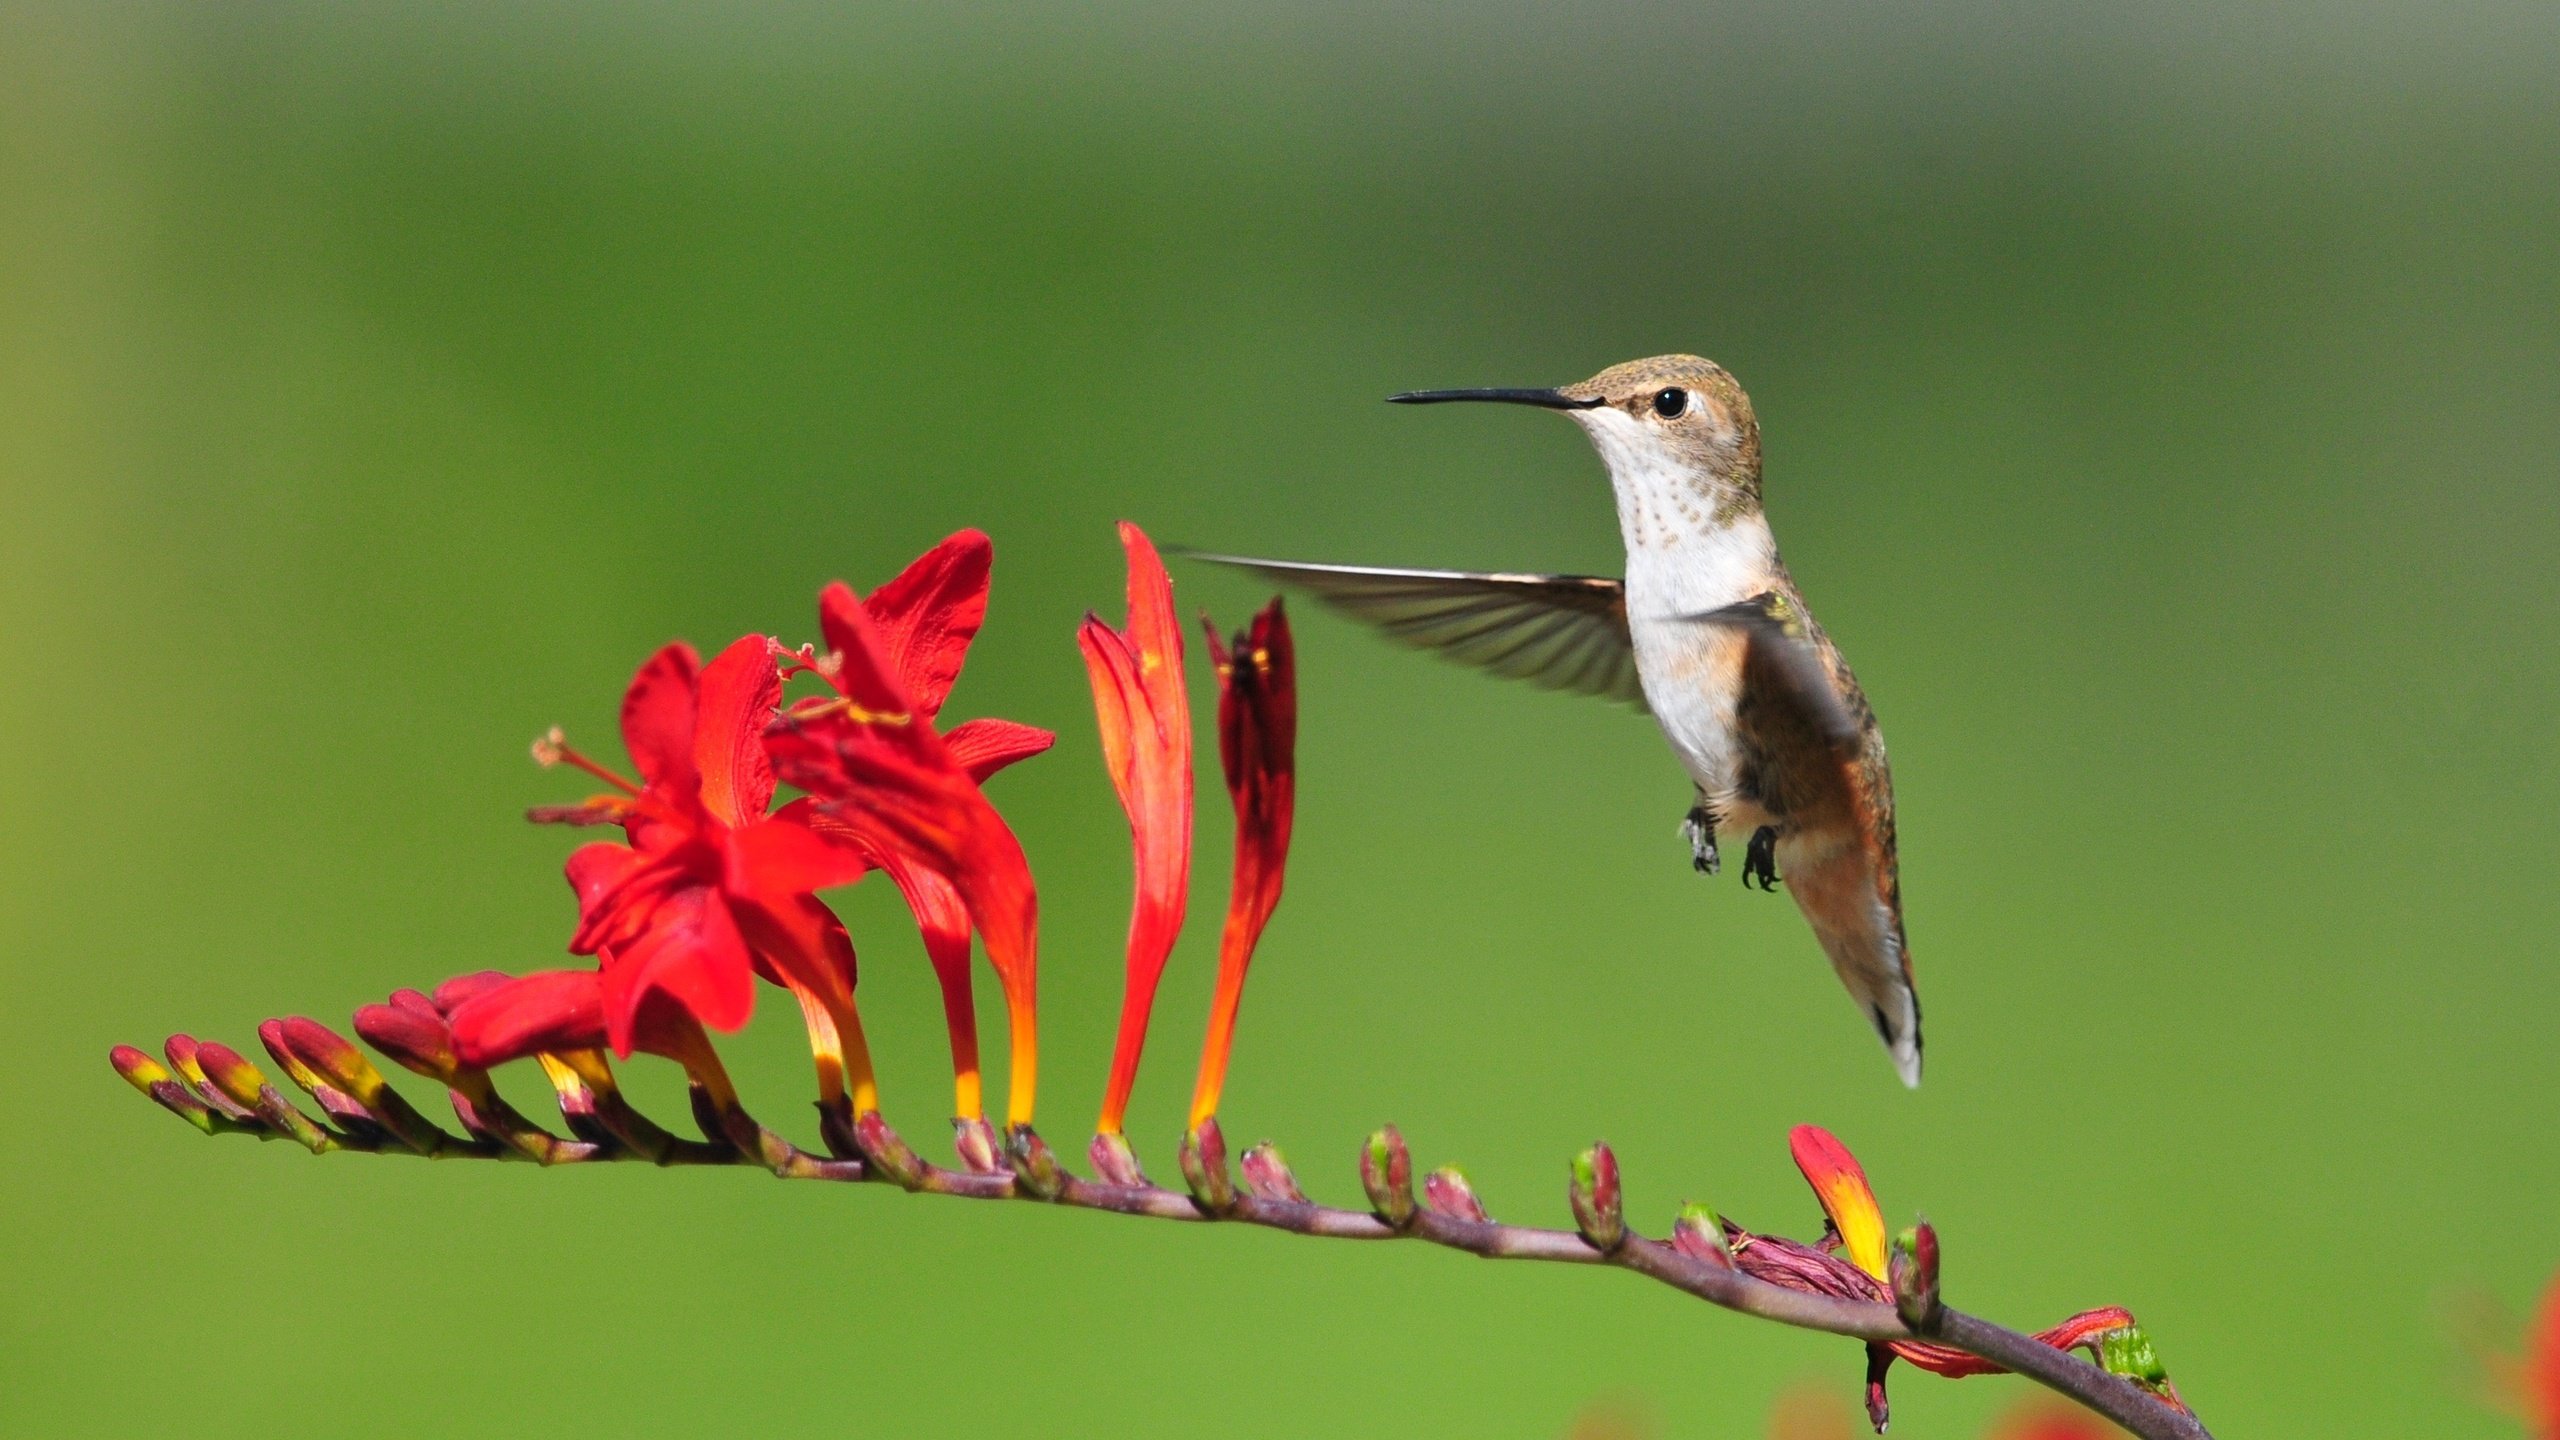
(1707, 632)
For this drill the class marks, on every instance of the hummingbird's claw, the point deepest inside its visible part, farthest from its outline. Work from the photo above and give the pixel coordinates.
(1700, 828)
(1760, 861)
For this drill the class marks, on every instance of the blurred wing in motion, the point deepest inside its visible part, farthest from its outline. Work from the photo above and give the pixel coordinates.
(1563, 632)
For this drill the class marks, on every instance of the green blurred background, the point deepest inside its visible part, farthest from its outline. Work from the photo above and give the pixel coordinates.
(2160, 409)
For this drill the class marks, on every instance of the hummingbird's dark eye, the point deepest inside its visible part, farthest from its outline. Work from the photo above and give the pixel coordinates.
(1670, 403)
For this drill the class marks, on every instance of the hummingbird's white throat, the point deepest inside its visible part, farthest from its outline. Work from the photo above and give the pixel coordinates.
(1689, 548)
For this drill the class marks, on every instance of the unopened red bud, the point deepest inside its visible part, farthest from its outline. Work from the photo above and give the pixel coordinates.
(417, 1002)
(335, 1059)
(416, 1041)
(1446, 1190)
(1115, 1162)
(1035, 1166)
(887, 1153)
(1914, 1271)
(1699, 1234)
(1597, 1208)
(452, 994)
(975, 1142)
(1386, 1172)
(343, 1109)
(1879, 1409)
(271, 1035)
(139, 1069)
(231, 1073)
(247, 1086)
(329, 1055)
(166, 1090)
(181, 1049)
(1203, 1157)
(1268, 1177)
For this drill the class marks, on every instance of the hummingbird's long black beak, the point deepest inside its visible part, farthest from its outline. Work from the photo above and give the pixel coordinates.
(1543, 399)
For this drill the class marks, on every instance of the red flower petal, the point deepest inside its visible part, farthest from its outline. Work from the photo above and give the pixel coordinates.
(802, 942)
(983, 747)
(1841, 1185)
(780, 856)
(924, 619)
(1145, 720)
(458, 991)
(1258, 750)
(691, 954)
(942, 920)
(657, 715)
(734, 700)
(617, 887)
(547, 1010)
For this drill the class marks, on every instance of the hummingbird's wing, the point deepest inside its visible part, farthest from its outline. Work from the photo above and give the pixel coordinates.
(1810, 755)
(1563, 632)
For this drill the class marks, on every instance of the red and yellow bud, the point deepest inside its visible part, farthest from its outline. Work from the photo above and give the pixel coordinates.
(1841, 1185)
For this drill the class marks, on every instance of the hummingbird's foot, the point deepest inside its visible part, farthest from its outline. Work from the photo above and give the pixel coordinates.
(1760, 861)
(1700, 828)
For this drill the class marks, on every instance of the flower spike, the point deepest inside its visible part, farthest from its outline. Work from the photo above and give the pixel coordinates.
(1258, 749)
(1145, 719)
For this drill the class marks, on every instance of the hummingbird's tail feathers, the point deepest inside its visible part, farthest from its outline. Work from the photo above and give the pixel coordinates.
(1835, 883)
(1563, 632)
(1878, 978)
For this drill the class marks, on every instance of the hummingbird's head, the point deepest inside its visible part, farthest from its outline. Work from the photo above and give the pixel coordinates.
(1676, 431)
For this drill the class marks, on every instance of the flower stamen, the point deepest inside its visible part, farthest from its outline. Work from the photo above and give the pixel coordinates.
(552, 748)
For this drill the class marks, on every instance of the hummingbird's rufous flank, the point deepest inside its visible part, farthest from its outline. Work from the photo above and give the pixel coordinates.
(1708, 632)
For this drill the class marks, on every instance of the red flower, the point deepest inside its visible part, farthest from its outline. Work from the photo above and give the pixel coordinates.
(1145, 719)
(922, 622)
(880, 777)
(711, 891)
(1258, 748)
(2539, 1391)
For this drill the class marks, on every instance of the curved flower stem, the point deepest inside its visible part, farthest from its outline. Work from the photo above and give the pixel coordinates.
(2120, 1400)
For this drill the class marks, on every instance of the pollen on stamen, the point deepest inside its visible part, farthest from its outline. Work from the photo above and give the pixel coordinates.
(551, 748)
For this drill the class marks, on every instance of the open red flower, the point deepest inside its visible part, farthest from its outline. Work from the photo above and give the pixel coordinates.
(1145, 719)
(881, 779)
(711, 890)
(1258, 749)
(922, 622)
